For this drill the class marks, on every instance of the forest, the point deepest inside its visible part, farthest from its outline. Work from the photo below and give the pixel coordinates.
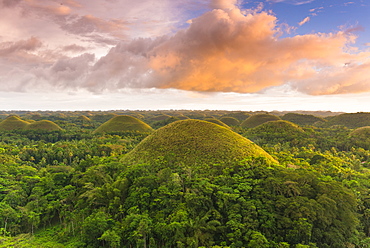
(182, 178)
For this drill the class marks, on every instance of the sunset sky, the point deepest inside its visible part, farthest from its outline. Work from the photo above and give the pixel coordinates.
(185, 54)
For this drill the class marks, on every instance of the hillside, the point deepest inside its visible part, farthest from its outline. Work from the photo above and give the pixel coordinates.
(230, 121)
(258, 119)
(361, 137)
(194, 141)
(123, 123)
(302, 119)
(43, 125)
(276, 132)
(13, 123)
(216, 121)
(352, 120)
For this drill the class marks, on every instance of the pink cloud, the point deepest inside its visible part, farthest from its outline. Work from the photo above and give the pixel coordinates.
(305, 20)
(223, 50)
(7, 48)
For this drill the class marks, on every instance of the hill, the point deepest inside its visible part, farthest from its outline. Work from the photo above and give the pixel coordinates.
(258, 119)
(123, 123)
(240, 116)
(83, 119)
(302, 119)
(43, 125)
(195, 142)
(216, 121)
(13, 123)
(276, 132)
(361, 137)
(230, 121)
(352, 120)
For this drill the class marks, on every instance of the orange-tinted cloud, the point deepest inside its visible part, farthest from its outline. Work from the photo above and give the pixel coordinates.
(227, 51)
(305, 20)
(224, 50)
(223, 4)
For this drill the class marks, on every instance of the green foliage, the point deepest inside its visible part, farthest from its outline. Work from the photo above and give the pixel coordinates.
(123, 123)
(277, 132)
(43, 125)
(350, 120)
(240, 116)
(13, 123)
(303, 119)
(216, 121)
(230, 121)
(192, 142)
(361, 137)
(190, 184)
(258, 119)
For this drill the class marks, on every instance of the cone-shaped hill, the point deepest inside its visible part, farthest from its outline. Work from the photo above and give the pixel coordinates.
(361, 132)
(43, 125)
(123, 123)
(278, 126)
(230, 121)
(302, 119)
(350, 120)
(216, 121)
(83, 119)
(276, 132)
(361, 137)
(192, 142)
(13, 123)
(258, 119)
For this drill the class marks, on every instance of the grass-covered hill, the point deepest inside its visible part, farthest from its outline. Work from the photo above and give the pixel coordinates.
(302, 119)
(195, 142)
(361, 137)
(216, 121)
(13, 123)
(239, 115)
(123, 123)
(83, 119)
(351, 120)
(43, 125)
(276, 132)
(160, 117)
(230, 121)
(258, 119)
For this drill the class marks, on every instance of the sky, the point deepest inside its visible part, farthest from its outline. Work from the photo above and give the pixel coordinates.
(266, 55)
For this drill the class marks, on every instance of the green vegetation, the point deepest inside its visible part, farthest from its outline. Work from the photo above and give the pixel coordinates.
(191, 183)
(240, 116)
(258, 119)
(191, 142)
(352, 120)
(361, 137)
(44, 125)
(216, 121)
(13, 123)
(230, 121)
(277, 132)
(302, 119)
(123, 123)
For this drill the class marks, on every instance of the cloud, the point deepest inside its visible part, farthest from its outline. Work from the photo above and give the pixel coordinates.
(7, 48)
(223, 4)
(9, 3)
(294, 2)
(90, 24)
(305, 20)
(74, 48)
(351, 78)
(223, 50)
